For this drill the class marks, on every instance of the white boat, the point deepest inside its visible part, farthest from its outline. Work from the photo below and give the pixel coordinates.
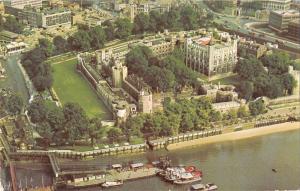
(187, 178)
(172, 174)
(112, 183)
(211, 187)
(200, 187)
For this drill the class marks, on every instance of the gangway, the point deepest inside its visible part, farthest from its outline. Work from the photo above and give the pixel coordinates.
(54, 164)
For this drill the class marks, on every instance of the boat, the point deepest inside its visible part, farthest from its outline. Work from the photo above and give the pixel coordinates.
(172, 174)
(186, 178)
(198, 187)
(274, 169)
(182, 175)
(211, 187)
(112, 183)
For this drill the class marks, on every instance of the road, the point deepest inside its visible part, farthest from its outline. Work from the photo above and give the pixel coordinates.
(14, 79)
(241, 24)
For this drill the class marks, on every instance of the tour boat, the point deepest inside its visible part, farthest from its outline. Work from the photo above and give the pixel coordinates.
(211, 187)
(112, 183)
(188, 177)
(172, 174)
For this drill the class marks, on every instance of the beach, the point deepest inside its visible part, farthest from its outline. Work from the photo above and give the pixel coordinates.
(243, 134)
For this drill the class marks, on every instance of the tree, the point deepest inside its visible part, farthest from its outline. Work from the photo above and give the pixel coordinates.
(123, 28)
(98, 37)
(186, 123)
(232, 114)
(242, 112)
(45, 130)
(188, 18)
(80, 41)
(215, 116)
(289, 83)
(96, 131)
(56, 119)
(277, 62)
(109, 30)
(44, 79)
(173, 19)
(11, 24)
(134, 126)
(14, 104)
(249, 68)
(60, 44)
(157, 22)
(114, 134)
(246, 89)
(141, 23)
(46, 46)
(162, 79)
(37, 111)
(76, 121)
(257, 107)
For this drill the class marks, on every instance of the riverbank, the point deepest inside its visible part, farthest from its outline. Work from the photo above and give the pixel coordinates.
(243, 134)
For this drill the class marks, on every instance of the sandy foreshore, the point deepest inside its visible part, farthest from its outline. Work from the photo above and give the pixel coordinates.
(243, 134)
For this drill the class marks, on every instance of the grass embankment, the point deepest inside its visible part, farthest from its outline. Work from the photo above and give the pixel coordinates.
(229, 80)
(71, 86)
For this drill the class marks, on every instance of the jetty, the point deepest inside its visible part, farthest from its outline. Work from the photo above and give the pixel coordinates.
(112, 175)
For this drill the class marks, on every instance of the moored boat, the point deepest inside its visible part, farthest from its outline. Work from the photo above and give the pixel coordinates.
(182, 175)
(198, 187)
(187, 178)
(112, 183)
(211, 187)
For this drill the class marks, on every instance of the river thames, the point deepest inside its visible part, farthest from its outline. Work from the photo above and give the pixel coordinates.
(237, 165)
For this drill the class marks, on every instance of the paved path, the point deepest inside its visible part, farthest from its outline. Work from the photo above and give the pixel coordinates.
(15, 79)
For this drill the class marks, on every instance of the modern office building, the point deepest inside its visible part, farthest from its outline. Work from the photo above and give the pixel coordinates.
(279, 20)
(20, 4)
(211, 58)
(44, 18)
(266, 4)
(276, 4)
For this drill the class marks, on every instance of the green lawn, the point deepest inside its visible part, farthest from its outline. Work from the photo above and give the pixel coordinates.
(230, 80)
(71, 86)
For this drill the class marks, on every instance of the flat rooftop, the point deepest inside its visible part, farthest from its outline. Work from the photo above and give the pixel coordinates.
(290, 12)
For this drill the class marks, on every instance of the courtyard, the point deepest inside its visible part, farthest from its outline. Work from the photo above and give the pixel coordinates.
(70, 86)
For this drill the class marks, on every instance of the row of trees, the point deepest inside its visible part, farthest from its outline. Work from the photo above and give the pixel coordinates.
(58, 125)
(34, 63)
(178, 18)
(179, 117)
(266, 77)
(10, 23)
(161, 75)
(67, 124)
(94, 38)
